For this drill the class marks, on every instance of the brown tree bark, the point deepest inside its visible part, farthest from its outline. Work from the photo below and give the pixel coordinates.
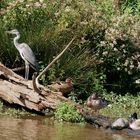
(16, 90)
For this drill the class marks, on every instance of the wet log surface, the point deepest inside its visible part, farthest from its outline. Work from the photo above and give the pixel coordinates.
(14, 89)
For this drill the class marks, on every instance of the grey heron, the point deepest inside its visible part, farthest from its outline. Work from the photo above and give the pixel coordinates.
(25, 52)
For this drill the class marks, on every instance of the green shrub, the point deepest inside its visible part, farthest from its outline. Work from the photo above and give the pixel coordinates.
(121, 106)
(105, 54)
(68, 113)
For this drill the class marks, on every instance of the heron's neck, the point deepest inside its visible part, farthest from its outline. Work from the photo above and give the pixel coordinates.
(16, 40)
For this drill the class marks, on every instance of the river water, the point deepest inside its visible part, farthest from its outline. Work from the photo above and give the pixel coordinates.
(39, 128)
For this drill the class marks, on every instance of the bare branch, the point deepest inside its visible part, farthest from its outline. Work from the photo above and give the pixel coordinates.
(53, 61)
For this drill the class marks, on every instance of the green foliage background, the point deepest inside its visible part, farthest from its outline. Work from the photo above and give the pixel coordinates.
(105, 55)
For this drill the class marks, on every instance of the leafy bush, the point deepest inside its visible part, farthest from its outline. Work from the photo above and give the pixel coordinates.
(105, 54)
(120, 52)
(68, 113)
(121, 106)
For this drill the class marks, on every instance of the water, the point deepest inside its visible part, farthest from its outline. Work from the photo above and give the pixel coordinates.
(38, 128)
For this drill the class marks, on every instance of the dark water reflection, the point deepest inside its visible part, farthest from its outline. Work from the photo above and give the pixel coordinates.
(38, 129)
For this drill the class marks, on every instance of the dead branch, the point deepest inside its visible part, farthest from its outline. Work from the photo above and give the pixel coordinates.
(53, 61)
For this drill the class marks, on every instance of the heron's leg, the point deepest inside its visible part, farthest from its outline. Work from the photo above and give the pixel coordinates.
(26, 70)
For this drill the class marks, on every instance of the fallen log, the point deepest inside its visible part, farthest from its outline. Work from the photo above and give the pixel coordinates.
(14, 89)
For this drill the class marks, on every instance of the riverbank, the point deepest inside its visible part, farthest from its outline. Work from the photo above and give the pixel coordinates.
(119, 106)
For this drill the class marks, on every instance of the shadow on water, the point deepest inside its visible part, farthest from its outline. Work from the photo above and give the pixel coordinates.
(38, 128)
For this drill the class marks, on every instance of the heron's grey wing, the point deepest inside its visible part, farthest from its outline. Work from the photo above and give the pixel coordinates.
(28, 55)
